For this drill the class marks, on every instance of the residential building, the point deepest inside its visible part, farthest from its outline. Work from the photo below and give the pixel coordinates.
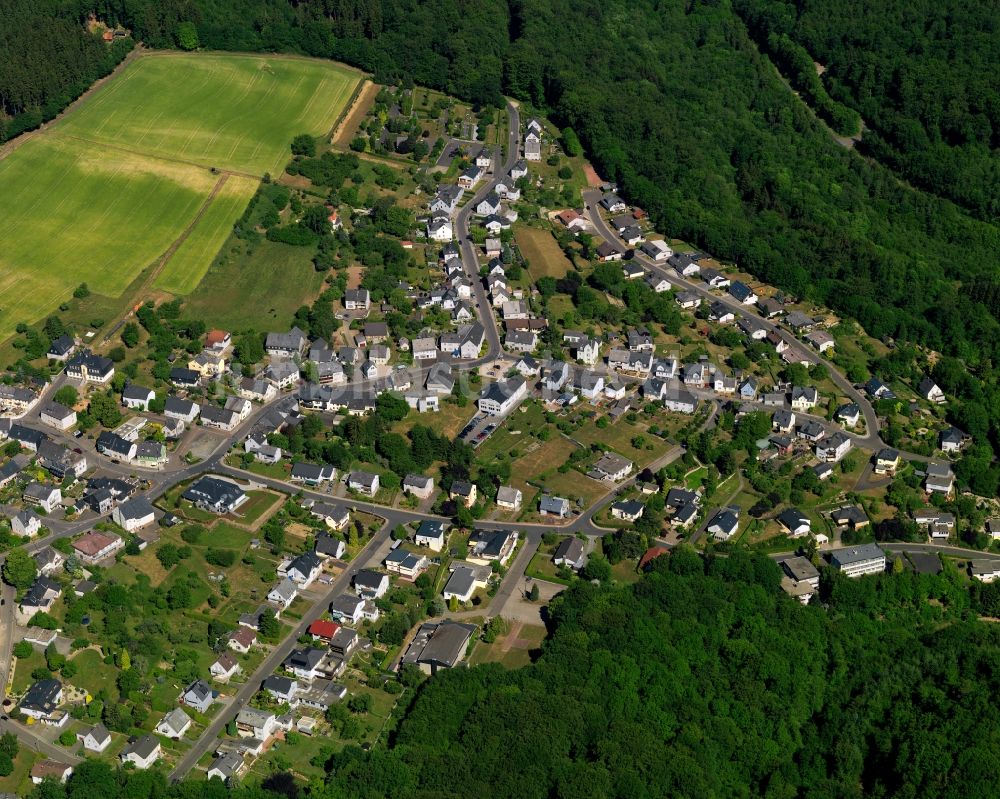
(509, 498)
(197, 695)
(58, 416)
(371, 584)
(931, 391)
(174, 724)
(439, 645)
(418, 485)
(50, 770)
(724, 524)
(553, 506)
(501, 397)
(44, 496)
(629, 510)
(215, 494)
(312, 474)
(133, 514)
(93, 547)
(363, 482)
(405, 563)
(96, 739)
(795, 522)
(431, 534)
(142, 753)
(286, 345)
(858, 561)
(90, 368)
(41, 703)
(612, 467)
(940, 478)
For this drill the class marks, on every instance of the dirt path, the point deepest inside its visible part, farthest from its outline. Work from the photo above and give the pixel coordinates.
(511, 638)
(352, 115)
(137, 52)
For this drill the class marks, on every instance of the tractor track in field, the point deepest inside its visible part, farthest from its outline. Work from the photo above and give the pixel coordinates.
(166, 158)
(163, 260)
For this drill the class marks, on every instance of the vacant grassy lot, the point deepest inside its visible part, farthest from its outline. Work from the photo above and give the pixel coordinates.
(543, 254)
(188, 265)
(256, 291)
(216, 110)
(71, 214)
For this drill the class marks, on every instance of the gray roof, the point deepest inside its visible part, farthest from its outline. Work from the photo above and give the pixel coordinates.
(858, 554)
(143, 747)
(461, 581)
(136, 508)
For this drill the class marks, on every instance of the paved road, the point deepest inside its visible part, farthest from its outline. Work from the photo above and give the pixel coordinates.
(207, 741)
(871, 440)
(43, 747)
(470, 260)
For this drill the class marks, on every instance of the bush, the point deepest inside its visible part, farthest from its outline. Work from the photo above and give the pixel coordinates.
(220, 557)
(23, 650)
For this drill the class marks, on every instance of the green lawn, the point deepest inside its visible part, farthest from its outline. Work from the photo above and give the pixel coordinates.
(92, 673)
(217, 110)
(188, 265)
(258, 287)
(22, 673)
(70, 212)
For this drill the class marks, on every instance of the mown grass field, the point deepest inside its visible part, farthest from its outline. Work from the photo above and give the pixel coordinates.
(188, 265)
(542, 252)
(228, 111)
(106, 191)
(258, 292)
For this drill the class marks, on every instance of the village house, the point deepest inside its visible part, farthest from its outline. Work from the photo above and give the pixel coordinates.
(431, 534)
(418, 485)
(363, 482)
(58, 416)
(142, 753)
(94, 547)
(90, 368)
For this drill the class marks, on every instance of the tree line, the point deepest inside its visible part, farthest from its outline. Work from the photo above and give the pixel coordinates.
(47, 60)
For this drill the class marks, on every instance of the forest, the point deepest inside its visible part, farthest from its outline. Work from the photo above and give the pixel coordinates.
(920, 72)
(47, 60)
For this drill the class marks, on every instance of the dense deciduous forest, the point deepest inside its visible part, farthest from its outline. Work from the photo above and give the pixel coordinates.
(923, 75)
(47, 59)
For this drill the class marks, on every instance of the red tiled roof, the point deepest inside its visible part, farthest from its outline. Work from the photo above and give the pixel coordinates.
(650, 555)
(215, 337)
(323, 628)
(92, 543)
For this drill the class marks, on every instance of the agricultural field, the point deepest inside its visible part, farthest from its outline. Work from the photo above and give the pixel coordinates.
(104, 194)
(69, 214)
(271, 281)
(230, 112)
(186, 267)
